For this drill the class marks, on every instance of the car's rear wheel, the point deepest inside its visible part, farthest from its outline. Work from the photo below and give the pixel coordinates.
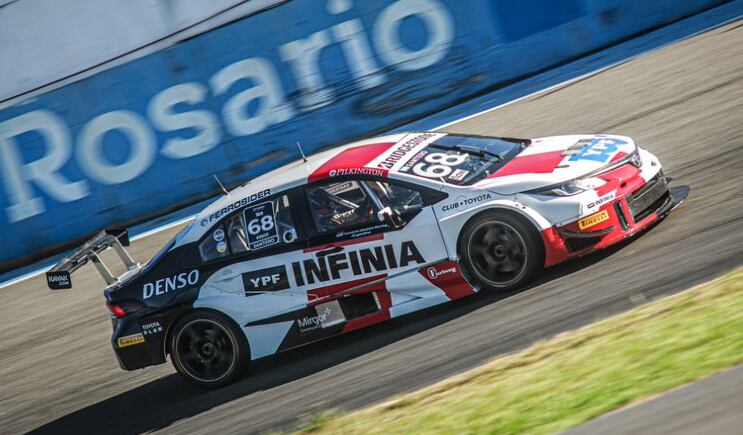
(501, 251)
(208, 349)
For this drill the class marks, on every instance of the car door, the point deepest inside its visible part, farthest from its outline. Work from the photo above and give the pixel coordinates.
(246, 257)
(369, 237)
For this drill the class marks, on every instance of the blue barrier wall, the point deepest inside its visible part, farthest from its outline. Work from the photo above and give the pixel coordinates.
(136, 140)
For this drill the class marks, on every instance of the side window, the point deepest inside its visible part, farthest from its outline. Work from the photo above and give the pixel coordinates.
(236, 234)
(214, 245)
(257, 227)
(400, 199)
(269, 224)
(340, 205)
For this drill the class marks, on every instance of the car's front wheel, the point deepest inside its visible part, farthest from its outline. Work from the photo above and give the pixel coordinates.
(208, 349)
(501, 251)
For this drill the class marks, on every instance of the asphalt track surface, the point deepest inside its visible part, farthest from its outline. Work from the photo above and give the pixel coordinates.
(678, 412)
(684, 102)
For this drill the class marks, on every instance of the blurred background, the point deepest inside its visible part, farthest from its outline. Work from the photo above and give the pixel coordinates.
(118, 113)
(113, 113)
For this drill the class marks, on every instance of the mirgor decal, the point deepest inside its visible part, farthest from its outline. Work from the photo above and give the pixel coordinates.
(310, 323)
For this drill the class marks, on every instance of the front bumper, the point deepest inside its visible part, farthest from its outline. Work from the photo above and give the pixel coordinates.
(637, 205)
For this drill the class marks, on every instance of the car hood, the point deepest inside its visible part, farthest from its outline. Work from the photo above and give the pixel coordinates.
(557, 159)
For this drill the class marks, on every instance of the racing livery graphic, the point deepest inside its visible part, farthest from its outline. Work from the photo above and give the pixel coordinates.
(364, 233)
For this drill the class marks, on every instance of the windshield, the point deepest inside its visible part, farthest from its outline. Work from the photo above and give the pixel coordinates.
(462, 160)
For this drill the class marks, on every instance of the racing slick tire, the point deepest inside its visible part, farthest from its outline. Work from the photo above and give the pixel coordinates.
(208, 349)
(500, 251)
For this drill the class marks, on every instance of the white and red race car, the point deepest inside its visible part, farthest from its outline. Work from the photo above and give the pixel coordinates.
(366, 232)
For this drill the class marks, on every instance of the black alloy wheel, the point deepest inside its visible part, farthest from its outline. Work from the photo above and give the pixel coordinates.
(501, 251)
(208, 350)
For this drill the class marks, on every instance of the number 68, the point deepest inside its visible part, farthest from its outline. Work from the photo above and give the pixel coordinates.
(441, 167)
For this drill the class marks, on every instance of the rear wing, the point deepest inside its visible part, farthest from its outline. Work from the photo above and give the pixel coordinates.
(58, 277)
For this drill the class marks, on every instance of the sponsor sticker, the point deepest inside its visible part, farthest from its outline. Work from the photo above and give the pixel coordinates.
(235, 206)
(152, 328)
(170, 283)
(592, 220)
(434, 273)
(328, 314)
(218, 235)
(58, 280)
(458, 174)
(290, 236)
(603, 199)
(261, 223)
(221, 247)
(130, 340)
(598, 150)
(357, 171)
(336, 188)
(360, 232)
(363, 261)
(466, 202)
(270, 279)
(398, 155)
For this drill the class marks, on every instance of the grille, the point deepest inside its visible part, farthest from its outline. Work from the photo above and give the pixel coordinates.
(578, 243)
(649, 198)
(620, 215)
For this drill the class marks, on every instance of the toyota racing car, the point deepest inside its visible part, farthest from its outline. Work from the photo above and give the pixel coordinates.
(364, 233)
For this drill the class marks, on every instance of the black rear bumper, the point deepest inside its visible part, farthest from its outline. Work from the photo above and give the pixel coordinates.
(140, 341)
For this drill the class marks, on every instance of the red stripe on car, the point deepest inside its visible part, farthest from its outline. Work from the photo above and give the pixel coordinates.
(542, 163)
(373, 237)
(352, 162)
(448, 277)
(619, 156)
(385, 302)
(339, 288)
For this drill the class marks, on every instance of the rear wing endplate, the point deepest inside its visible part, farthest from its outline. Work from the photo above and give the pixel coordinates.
(58, 277)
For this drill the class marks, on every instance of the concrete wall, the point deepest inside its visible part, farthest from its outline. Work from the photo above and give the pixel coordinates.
(42, 41)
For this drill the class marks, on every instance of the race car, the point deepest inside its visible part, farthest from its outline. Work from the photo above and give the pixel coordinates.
(367, 232)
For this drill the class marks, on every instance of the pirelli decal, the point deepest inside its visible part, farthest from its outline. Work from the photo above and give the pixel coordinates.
(592, 220)
(130, 340)
(319, 269)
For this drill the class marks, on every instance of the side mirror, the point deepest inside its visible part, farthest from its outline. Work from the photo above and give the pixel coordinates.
(389, 216)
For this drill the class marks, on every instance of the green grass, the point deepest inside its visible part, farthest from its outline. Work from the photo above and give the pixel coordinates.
(560, 383)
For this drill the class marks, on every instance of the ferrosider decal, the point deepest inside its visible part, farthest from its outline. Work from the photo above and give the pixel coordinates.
(369, 47)
(235, 206)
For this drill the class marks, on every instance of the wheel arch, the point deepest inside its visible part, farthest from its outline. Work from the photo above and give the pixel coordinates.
(518, 212)
(169, 333)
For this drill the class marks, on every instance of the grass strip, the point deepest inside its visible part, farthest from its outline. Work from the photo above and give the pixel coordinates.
(573, 377)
